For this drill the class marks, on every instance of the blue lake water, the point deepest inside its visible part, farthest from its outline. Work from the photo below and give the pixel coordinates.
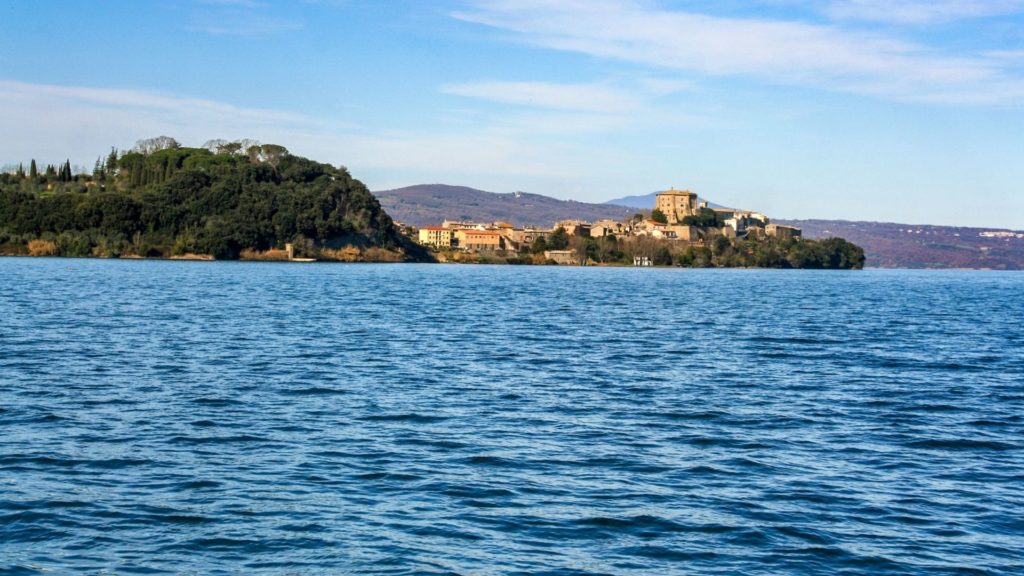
(242, 418)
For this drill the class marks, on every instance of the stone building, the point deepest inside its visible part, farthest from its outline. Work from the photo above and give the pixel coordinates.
(482, 240)
(561, 256)
(574, 227)
(676, 204)
(782, 232)
(607, 228)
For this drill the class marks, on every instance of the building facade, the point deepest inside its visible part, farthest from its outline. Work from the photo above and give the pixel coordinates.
(481, 240)
(436, 236)
(782, 232)
(676, 204)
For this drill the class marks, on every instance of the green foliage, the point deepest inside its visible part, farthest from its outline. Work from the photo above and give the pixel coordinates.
(707, 218)
(721, 251)
(659, 216)
(168, 200)
(558, 240)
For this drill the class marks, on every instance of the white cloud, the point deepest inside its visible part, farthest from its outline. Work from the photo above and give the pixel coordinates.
(51, 122)
(572, 97)
(772, 50)
(921, 11)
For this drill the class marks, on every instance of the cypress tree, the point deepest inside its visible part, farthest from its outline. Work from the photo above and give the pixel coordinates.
(32, 172)
(21, 171)
(112, 161)
(67, 171)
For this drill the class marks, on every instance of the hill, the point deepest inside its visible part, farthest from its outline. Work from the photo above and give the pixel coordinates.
(164, 200)
(643, 201)
(430, 204)
(892, 245)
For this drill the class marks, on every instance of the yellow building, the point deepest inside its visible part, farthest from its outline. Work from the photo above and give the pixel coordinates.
(676, 204)
(436, 236)
(482, 240)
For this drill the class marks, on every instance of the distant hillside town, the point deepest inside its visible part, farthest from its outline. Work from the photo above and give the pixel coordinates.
(677, 216)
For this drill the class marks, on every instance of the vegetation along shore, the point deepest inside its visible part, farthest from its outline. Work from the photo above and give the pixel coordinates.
(252, 201)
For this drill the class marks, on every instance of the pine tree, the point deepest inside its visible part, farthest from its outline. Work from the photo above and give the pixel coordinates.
(112, 161)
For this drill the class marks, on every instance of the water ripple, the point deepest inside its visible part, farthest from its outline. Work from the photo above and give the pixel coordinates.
(226, 418)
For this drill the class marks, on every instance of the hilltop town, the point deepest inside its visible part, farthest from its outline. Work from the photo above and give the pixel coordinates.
(679, 219)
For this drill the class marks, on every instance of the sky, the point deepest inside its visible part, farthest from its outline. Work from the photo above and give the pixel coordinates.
(888, 110)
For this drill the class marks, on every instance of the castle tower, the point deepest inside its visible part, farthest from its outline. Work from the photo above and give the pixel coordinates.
(676, 204)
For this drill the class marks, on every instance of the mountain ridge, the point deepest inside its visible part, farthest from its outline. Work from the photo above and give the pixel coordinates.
(430, 204)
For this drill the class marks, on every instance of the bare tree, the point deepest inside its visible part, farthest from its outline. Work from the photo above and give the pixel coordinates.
(151, 145)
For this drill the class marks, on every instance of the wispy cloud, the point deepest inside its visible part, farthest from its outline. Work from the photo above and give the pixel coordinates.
(921, 11)
(571, 97)
(156, 104)
(241, 18)
(775, 51)
(43, 120)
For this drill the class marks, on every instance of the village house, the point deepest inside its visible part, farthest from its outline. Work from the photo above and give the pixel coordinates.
(522, 238)
(607, 228)
(574, 227)
(676, 205)
(480, 240)
(782, 232)
(436, 236)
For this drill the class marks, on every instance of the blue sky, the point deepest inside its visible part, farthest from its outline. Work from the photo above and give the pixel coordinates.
(891, 110)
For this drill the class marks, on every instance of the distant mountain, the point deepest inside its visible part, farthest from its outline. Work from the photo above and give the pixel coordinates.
(430, 204)
(891, 245)
(645, 201)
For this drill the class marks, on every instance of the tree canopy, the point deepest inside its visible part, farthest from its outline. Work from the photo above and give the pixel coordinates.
(162, 199)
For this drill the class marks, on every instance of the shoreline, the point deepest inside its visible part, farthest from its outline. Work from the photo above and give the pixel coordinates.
(209, 259)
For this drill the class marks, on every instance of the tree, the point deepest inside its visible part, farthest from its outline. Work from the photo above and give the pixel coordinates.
(273, 153)
(254, 153)
(229, 148)
(33, 173)
(539, 245)
(150, 145)
(706, 218)
(559, 239)
(111, 167)
(662, 257)
(659, 216)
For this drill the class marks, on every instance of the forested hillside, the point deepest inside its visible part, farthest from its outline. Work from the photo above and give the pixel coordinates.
(164, 200)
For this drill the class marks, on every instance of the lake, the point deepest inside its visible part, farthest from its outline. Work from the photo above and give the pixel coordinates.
(250, 418)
